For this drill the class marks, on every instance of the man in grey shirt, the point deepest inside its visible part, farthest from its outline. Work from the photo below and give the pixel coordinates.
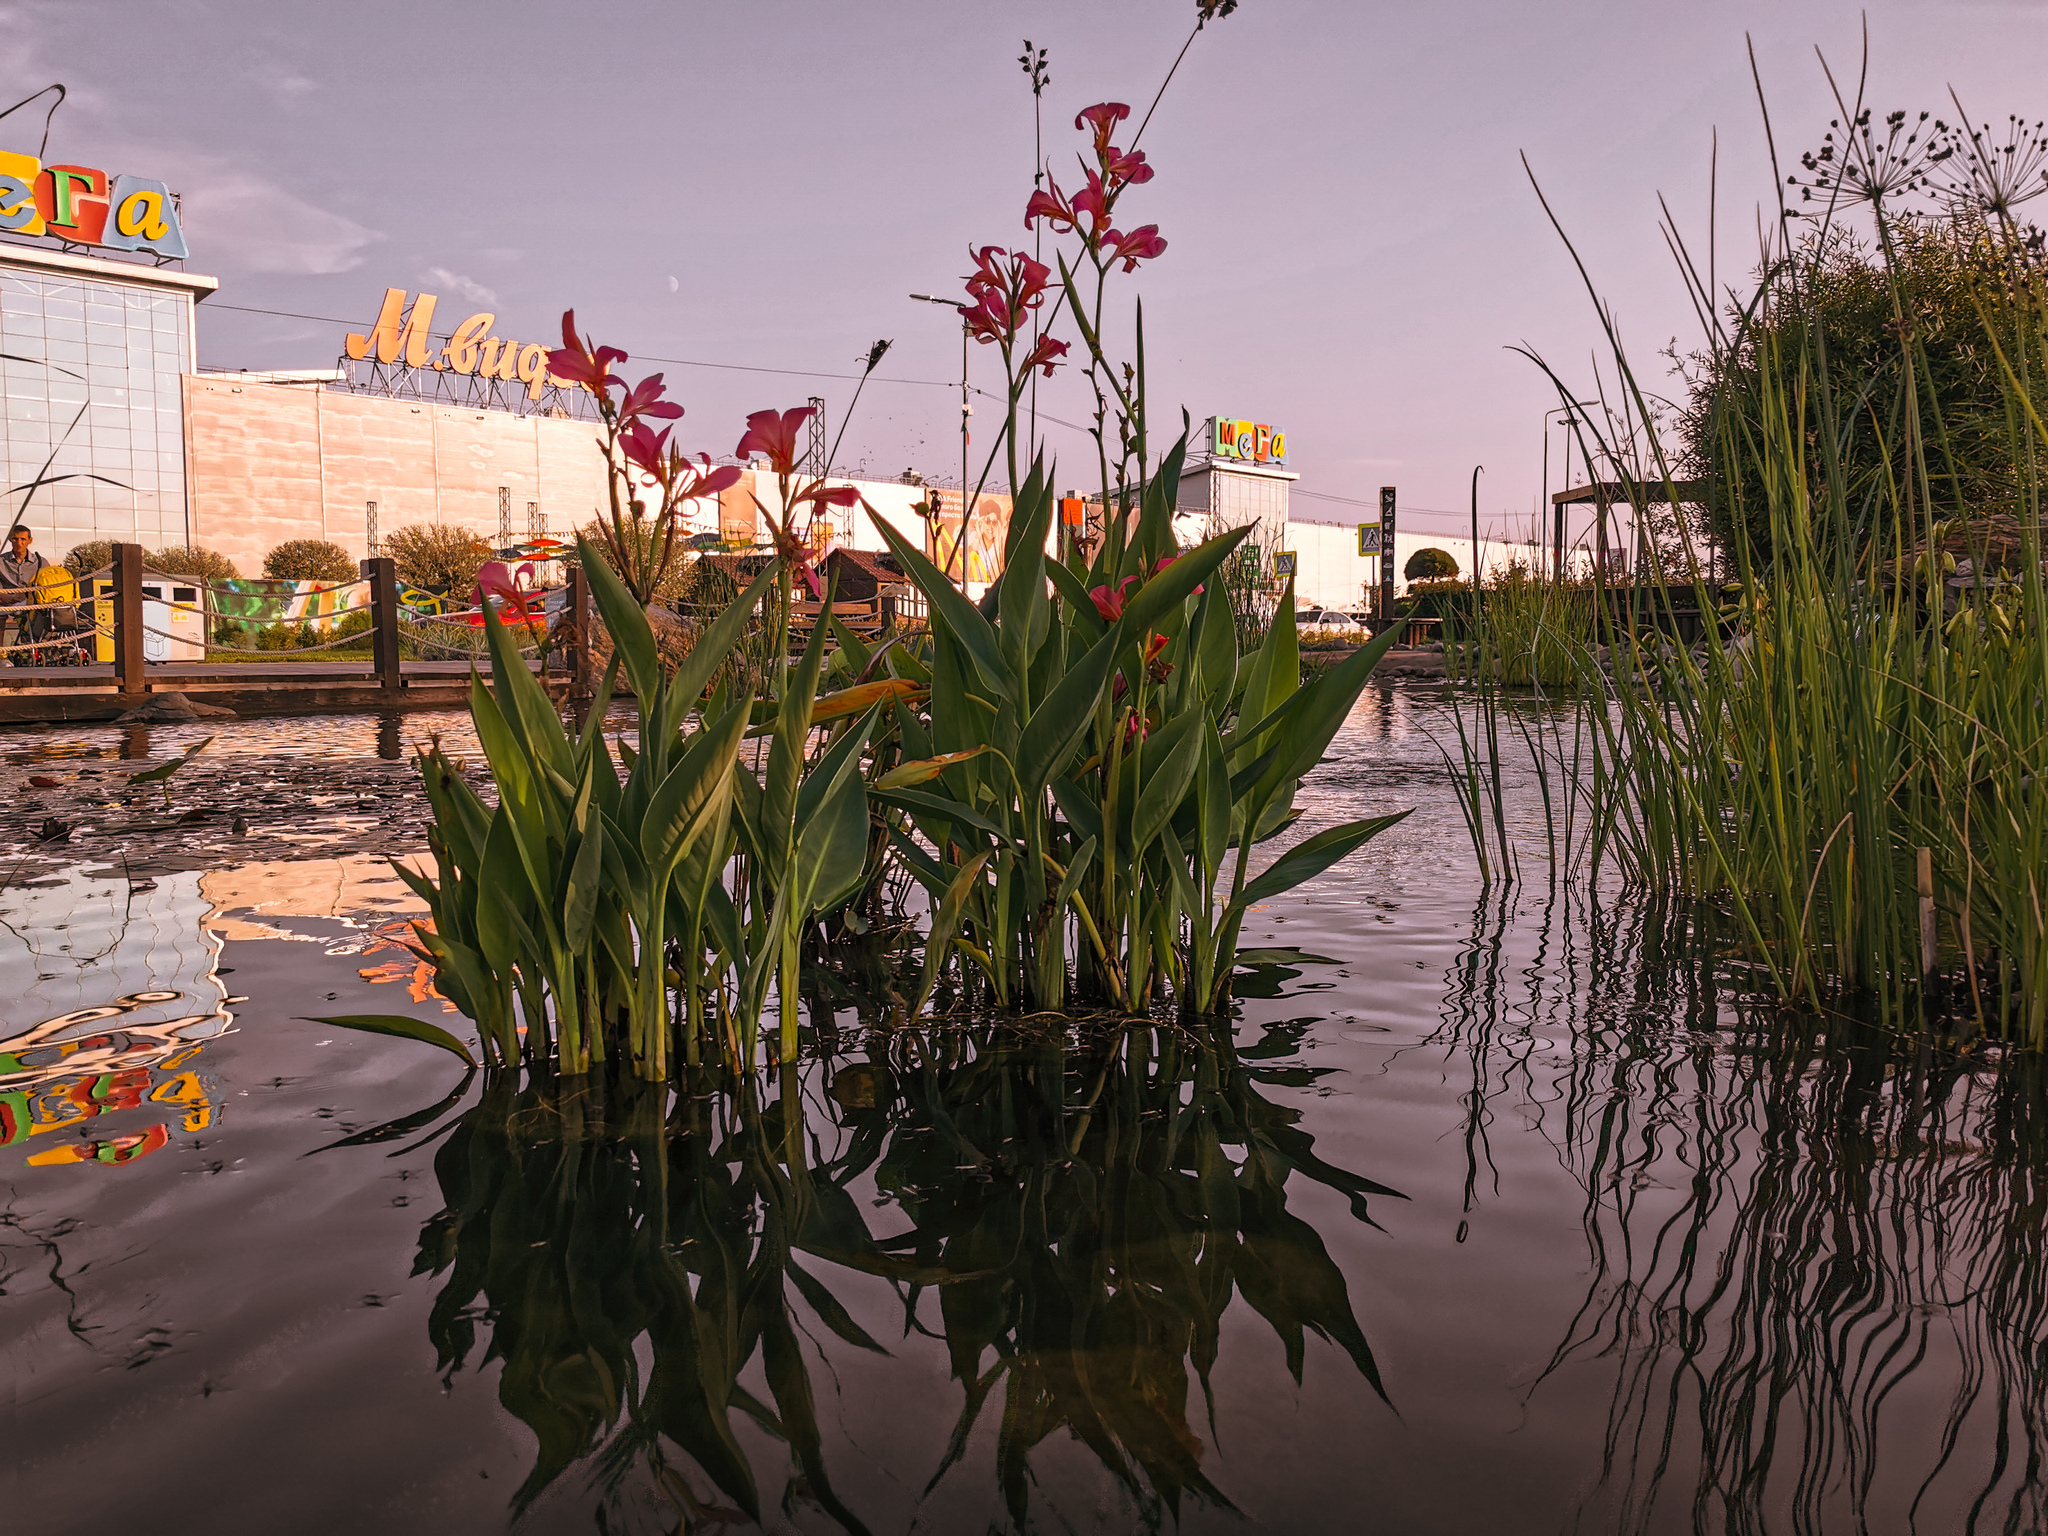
(19, 566)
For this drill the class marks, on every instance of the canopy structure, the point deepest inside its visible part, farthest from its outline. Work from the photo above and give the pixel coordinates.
(1604, 494)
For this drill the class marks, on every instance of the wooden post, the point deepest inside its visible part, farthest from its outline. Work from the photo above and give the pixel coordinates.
(576, 634)
(128, 636)
(382, 574)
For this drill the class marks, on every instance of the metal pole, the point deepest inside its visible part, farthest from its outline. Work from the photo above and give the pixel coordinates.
(966, 411)
(576, 623)
(128, 635)
(382, 574)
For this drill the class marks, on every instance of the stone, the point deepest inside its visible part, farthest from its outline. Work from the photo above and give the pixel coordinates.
(171, 707)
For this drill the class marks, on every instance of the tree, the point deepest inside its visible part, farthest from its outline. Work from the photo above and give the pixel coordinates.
(1832, 313)
(186, 560)
(309, 560)
(436, 557)
(1429, 565)
(92, 555)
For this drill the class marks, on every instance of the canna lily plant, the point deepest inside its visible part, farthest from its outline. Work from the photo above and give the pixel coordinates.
(1082, 770)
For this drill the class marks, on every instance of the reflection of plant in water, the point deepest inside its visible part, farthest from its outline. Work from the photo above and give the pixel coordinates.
(1085, 1214)
(1794, 1238)
(1100, 1232)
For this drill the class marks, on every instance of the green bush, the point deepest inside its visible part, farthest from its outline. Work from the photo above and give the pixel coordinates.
(92, 555)
(184, 560)
(309, 560)
(436, 557)
(1429, 565)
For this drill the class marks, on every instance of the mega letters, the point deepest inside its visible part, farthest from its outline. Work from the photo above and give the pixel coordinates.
(1252, 441)
(85, 205)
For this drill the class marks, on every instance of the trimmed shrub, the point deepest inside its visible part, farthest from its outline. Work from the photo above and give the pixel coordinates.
(184, 560)
(1429, 565)
(92, 555)
(309, 560)
(437, 557)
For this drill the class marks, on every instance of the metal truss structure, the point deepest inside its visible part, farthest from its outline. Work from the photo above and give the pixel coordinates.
(434, 386)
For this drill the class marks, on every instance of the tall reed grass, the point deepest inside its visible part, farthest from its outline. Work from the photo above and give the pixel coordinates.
(1851, 764)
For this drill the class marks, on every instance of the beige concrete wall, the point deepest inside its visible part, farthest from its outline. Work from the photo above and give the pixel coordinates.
(268, 462)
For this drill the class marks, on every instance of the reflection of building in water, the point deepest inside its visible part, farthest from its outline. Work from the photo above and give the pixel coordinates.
(360, 891)
(118, 987)
(241, 901)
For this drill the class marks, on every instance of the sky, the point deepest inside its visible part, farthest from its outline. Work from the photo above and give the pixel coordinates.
(1355, 250)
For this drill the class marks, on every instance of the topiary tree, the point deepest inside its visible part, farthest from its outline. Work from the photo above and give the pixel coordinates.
(184, 560)
(309, 560)
(436, 557)
(1429, 565)
(92, 555)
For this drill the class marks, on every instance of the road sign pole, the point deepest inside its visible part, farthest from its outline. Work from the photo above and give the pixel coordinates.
(1387, 552)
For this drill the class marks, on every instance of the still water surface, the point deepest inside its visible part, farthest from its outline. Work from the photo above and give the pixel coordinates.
(1514, 1220)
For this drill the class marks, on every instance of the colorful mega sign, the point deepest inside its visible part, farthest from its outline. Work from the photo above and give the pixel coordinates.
(1252, 441)
(88, 207)
(403, 336)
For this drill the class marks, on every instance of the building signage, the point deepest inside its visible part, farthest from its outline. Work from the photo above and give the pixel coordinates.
(1251, 441)
(88, 207)
(405, 338)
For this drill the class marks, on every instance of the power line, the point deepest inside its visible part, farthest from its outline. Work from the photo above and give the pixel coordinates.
(679, 362)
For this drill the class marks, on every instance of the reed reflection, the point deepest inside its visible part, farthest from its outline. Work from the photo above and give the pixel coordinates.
(1068, 1219)
(1815, 1249)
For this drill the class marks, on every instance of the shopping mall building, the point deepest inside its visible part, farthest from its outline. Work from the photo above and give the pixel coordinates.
(112, 432)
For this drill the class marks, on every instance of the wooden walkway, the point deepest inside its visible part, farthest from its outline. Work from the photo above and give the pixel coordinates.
(30, 694)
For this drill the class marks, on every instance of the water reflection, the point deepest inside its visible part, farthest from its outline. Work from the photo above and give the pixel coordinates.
(1815, 1289)
(113, 989)
(1070, 1221)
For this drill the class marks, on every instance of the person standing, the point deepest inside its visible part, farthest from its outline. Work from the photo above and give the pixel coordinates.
(19, 567)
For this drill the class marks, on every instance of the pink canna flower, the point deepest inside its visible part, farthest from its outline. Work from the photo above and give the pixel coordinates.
(1126, 167)
(1050, 204)
(1046, 355)
(821, 496)
(579, 363)
(1110, 604)
(1091, 203)
(645, 448)
(644, 399)
(773, 434)
(1141, 244)
(1102, 118)
(1003, 289)
(705, 480)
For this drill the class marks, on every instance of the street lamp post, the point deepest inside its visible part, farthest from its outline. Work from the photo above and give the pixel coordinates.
(966, 412)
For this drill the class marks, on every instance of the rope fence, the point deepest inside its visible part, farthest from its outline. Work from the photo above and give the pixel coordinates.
(74, 625)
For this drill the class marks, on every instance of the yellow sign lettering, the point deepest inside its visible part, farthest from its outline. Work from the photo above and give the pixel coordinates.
(467, 341)
(397, 332)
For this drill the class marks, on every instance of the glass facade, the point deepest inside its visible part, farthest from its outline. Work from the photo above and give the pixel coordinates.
(93, 434)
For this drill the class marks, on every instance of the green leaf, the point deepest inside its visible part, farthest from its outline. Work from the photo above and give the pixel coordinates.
(1306, 860)
(946, 926)
(579, 901)
(962, 620)
(1179, 748)
(625, 620)
(401, 1026)
(1172, 586)
(1057, 724)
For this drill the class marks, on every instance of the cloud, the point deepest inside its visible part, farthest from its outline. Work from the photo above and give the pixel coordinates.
(468, 287)
(238, 220)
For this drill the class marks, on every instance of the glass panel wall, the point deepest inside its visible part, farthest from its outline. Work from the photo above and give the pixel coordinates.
(93, 432)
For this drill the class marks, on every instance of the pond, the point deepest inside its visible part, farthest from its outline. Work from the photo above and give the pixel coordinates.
(1517, 1218)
